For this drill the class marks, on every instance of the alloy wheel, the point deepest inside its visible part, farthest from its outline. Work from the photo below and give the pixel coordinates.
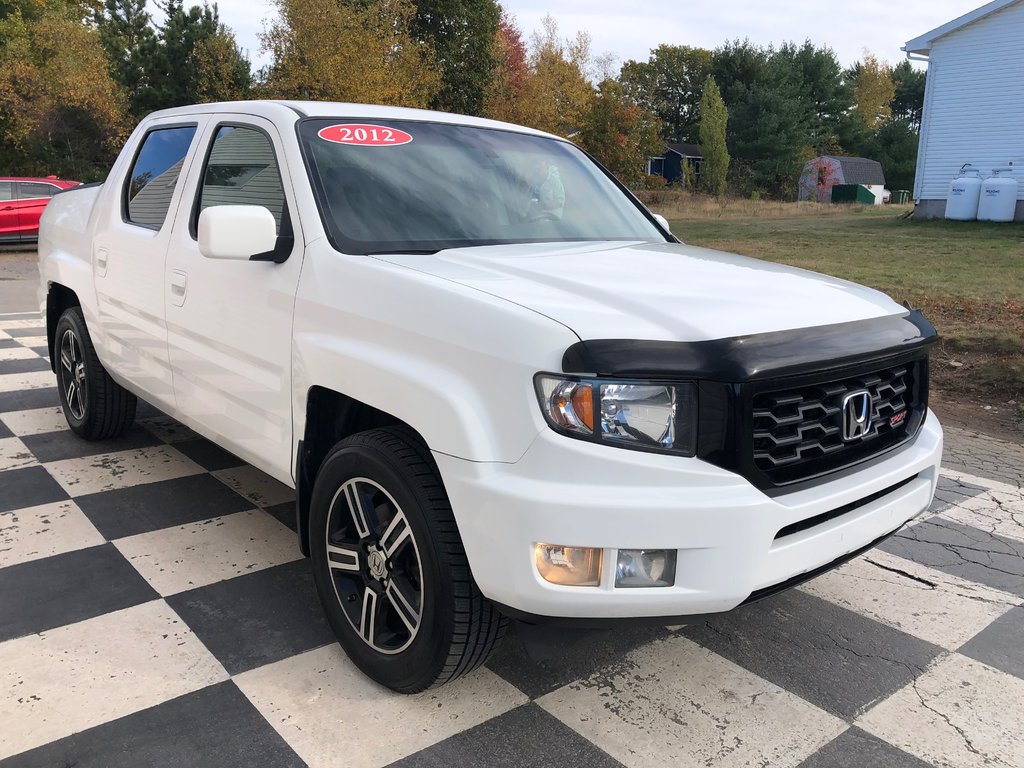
(375, 565)
(73, 379)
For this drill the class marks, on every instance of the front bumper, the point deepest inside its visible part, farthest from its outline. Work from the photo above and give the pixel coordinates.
(573, 493)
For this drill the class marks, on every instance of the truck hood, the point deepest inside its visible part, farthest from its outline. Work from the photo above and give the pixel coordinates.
(653, 291)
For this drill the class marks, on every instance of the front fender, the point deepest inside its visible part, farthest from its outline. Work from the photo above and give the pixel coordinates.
(454, 363)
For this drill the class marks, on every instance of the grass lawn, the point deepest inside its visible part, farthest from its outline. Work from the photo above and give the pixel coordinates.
(967, 277)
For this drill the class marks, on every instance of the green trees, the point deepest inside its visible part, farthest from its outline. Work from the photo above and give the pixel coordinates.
(461, 35)
(669, 84)
(192, 57)
(713, 121)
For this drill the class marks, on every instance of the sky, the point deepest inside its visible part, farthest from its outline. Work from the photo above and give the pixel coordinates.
(629, 29)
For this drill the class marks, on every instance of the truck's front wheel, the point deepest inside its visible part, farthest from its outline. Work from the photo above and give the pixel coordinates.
(390, 568)
(96, 407)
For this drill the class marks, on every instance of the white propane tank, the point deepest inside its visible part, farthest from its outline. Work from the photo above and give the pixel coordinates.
(963, 197)
(998, 198)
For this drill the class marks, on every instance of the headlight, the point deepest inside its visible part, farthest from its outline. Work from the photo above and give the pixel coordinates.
(632, 414)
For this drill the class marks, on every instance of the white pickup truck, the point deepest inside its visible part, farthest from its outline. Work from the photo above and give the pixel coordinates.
(500, 386)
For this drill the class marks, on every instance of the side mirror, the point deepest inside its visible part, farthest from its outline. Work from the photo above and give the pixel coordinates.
(236, 231)
(663, 221)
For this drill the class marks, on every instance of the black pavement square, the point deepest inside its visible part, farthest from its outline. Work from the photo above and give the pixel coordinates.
(963, 551)
(9, 343)
(151, 506)
(830, 656)
(43, 352)
(28, 487)
(207, 455)
(526, 737)
(4, 431)
(855, 748)
(258, 618)
(27, 399)
(24, 365)
(541, 660)
(284, 514)
(146, 411)
(1001, 643)
(16, 333)
(216, 726)
(62, 589)
(65, 444)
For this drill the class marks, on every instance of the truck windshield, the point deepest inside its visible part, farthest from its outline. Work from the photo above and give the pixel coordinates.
(397, 186)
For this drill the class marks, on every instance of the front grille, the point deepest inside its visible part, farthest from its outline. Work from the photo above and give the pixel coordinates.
(798, 430)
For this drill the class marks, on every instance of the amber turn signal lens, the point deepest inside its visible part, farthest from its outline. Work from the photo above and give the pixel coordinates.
(583, 404)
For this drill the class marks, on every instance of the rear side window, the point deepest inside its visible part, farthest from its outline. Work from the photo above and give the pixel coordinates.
(6, 190)
(155, 173)
(241, 169)
(32, 190)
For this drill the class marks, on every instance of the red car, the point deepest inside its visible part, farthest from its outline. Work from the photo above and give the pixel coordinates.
(21, 204)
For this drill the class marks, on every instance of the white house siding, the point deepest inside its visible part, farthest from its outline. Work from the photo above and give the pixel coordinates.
(974, 105)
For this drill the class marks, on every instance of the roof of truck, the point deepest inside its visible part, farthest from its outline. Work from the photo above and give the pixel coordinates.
(271, 109)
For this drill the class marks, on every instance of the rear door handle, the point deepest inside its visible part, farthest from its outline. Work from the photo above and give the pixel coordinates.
(179, 286)
(101, 262)
(7, 208)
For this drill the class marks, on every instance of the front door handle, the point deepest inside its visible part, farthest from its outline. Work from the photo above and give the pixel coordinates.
(179, 286)
(7, 208)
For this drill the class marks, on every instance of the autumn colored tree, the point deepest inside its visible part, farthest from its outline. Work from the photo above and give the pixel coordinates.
(873, 91)
(508, 82)
(60, 111)
(557, 95)
(349, 50)
(714, 119)
(620, 133)
(460, 32)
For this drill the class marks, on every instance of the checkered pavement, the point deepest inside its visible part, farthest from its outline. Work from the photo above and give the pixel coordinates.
(155, 611)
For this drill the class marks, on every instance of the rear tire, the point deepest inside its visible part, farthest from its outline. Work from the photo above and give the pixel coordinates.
(96, 407)
(390, 568)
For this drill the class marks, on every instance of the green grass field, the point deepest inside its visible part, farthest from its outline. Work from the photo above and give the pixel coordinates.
(967, 277)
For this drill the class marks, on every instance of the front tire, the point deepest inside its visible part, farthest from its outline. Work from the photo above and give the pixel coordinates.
(96, 407)
(390, 568)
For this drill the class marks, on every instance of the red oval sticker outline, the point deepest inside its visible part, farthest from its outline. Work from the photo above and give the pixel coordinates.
(364, 135)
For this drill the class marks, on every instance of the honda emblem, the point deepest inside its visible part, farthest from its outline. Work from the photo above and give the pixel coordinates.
(856, 415)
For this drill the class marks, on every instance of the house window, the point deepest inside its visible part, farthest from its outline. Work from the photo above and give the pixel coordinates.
(656, 166)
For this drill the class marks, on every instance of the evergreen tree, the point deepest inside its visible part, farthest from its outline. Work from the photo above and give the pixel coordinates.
(714, 119)
(127, 36)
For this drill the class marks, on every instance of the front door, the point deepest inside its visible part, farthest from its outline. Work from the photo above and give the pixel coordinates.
(129, 252)
(229, 322)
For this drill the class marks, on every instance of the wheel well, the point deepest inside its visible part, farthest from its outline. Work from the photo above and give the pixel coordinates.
(330, 418)
(58, 299)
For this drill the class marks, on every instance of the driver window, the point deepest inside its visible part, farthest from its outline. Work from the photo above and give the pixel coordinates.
(241, 169)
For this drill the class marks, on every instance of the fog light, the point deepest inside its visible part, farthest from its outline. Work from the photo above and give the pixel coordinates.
(569, 566)
(645, 568)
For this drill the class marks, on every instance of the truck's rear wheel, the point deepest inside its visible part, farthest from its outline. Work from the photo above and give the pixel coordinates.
(390, 568)
(96, 407)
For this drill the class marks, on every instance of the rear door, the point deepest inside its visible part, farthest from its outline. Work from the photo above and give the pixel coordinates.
(8, 213)
(129, 253)
(229, 322)
(32, 199)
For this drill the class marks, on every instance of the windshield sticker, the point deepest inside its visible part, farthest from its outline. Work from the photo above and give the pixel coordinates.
(361, 135)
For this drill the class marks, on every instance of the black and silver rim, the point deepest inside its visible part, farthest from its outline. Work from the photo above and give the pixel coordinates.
(73, 378)
(375, 565)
